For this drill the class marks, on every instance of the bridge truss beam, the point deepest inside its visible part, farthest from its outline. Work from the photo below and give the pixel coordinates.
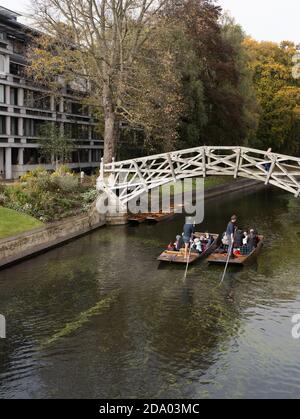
(130, 178)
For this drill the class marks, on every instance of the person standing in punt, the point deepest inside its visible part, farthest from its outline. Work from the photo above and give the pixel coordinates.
(230, 232)
(188, 233)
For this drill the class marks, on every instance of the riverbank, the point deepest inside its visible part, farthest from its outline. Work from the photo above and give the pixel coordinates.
(31, 243)
(22, 246)
(13, 222)
(100, 318)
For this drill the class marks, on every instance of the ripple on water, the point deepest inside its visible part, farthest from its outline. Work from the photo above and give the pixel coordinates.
(165, 336)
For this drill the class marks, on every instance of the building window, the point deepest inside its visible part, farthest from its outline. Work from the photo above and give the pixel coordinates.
(96, 155)
(2, 63)
(32, 127)
(2, 125)
(14, 96)
(95, 133)
(36, 100)
(28, 127)
(28, 98)
(2, 93)
(83, 156)
(18, 47)
(31, 156)
(37, 127)
(83, 132)
(75, 108)
(14, 156)
(16, 69)
(14, 126)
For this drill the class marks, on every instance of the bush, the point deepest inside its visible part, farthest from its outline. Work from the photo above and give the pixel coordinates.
(3, 198)
(66, 183)
(63, 170)
(88, 198)
(47, 196)
(34, 174)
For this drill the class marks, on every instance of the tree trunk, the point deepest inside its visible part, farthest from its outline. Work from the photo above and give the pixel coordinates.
(110, 126)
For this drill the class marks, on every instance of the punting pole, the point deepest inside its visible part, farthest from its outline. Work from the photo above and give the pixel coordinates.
(188, 260)
(227, 262)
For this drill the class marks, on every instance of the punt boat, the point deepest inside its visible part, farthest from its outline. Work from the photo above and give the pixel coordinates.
(169, 256)
(219, 258)
(157, 217)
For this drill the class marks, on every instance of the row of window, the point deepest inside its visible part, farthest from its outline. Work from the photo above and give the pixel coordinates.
(18, 45)
(13, 95)
(31, 128)
(40, 100)
(32, 156)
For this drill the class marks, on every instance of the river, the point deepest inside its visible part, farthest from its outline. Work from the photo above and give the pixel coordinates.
(98, 318)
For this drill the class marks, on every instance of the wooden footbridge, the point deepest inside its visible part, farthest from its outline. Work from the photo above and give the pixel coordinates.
(126, 180)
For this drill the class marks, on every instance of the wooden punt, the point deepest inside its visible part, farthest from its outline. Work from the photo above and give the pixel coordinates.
(137, 219)
(178, 257)
(221, 258)
(159, 216)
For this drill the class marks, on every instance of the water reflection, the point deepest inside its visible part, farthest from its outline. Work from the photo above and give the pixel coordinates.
(162, 336)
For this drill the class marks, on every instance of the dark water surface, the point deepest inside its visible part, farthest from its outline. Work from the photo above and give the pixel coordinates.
(97, 318)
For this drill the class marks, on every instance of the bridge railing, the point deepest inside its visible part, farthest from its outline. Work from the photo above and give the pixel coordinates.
(130, 178)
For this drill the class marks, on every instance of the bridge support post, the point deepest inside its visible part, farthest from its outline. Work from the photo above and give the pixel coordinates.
(109, 205)
(116, 219)
(126, 180)
(270, 172)
(238, 162)
(204, 162)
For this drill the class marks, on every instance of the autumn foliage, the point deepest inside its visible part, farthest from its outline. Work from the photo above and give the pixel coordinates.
(167, 74)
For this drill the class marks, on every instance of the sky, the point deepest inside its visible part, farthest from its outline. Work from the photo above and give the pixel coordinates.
(268, 20)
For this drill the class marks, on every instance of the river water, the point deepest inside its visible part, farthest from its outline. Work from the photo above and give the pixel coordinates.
(98, 318)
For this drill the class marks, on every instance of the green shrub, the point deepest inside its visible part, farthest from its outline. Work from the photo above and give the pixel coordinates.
(33, 174)
(66, 183)
(48, 197)
(89, 196)
(62, 170)
(3, 198)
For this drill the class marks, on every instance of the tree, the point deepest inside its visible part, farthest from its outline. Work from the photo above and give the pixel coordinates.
(116, 47)
(54, 146)
(278, 94)
(218, 87)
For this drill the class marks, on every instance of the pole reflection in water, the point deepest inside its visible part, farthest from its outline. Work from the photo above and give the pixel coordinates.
(98, 318)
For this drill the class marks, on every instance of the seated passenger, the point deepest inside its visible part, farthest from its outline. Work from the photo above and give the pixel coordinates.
(245, 239)
(225, 239)
(171, 246)
(197, 245)
(209, 239)
(179, 243)
(252, 240)
(238, 239)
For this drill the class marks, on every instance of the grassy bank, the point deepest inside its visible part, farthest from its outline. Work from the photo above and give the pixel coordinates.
(12, 222)
(48, 196)
(212, 181)
(209, 182)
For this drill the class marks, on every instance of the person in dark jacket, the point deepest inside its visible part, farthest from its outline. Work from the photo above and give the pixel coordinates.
(238, 239)
(230, 232)
(252, 240)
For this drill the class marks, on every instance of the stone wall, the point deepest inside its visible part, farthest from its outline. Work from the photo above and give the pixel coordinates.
(38, 240)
